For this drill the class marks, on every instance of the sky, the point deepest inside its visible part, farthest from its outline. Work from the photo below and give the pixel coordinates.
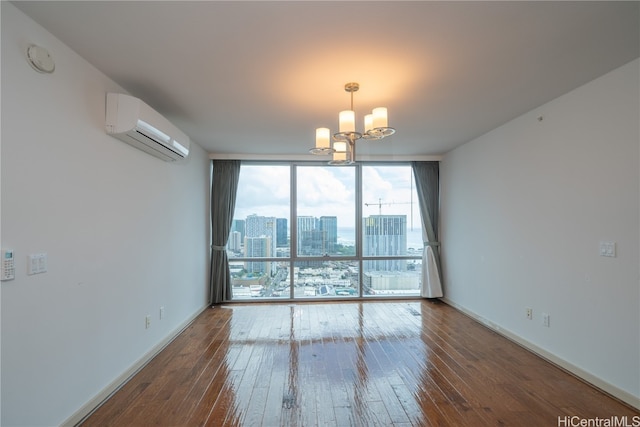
(327, 191)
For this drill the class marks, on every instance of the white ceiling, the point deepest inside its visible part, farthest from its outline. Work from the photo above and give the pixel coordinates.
(259, 77)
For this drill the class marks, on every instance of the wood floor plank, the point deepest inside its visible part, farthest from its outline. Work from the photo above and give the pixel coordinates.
(371, 363)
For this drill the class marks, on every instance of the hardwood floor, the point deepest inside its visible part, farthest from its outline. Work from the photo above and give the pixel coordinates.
(410, 363)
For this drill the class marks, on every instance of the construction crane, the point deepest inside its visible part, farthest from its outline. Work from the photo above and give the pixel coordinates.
(381, 203)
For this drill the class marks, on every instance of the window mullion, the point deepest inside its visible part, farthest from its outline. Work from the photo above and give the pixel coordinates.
(358, 223)
(293, 233)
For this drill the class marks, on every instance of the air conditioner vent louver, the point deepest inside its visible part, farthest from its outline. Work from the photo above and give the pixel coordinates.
(134, 122)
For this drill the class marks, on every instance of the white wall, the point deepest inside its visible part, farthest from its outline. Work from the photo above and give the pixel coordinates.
(125, 233)
(524, 208)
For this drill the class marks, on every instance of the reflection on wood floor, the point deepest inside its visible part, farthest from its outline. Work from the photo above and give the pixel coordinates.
(410, 363)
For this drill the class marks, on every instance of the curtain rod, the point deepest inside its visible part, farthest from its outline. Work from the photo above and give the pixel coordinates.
(298, 157)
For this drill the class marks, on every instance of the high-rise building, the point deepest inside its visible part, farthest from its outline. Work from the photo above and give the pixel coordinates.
(306, 226)
(317, 236)
(262, 226)
(258, 247)
(385, 235)
(282, 231)
(239, 226)
(235, 241)
(328, 225)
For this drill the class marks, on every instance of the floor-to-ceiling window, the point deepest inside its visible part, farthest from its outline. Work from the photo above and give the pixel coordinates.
(312, 231)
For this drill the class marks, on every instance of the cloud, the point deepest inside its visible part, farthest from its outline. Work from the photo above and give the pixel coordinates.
(387, 190)
(263, 190)
(326, 191)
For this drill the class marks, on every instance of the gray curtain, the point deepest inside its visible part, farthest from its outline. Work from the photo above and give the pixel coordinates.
(426, 175)
(224, 186)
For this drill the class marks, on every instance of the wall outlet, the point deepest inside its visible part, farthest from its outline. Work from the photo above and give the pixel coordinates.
(161, 312)
(546, 320)
(529, 313)
(147, 322)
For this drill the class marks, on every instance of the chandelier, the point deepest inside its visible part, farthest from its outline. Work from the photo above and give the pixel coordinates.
(344, 145)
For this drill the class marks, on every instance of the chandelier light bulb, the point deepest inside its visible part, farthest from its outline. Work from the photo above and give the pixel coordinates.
(323, 142)
(342, 154)
(368, 122)
(339, 157)
(380, 118)
(323, 136)
(340, 147)
(347, 121)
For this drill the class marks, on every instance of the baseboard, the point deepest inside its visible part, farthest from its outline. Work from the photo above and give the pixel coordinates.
(93, 404)
(606, 387)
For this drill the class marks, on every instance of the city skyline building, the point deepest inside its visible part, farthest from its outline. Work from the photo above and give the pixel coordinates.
(282, 232)
(384, 235)
(261, 226)
(306, 225)
(258, 247)
(329, 227)
(239, 226)
(235, 241)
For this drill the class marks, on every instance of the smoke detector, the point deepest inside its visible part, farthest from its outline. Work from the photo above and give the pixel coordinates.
(40, 59)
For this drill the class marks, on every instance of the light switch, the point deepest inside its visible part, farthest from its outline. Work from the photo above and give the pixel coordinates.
(32, 265)
(42, 263)
(37, 263)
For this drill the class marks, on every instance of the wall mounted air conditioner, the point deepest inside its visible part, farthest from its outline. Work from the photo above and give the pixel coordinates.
(134, 122)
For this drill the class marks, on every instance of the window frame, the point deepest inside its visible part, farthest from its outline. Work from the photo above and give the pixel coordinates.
(294, 258)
